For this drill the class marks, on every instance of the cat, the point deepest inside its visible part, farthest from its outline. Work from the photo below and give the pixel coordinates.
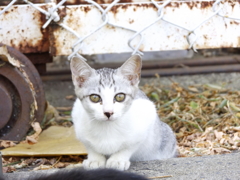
(114, 119)
(80, 174)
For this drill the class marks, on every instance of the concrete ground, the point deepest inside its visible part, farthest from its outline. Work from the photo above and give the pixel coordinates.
(217, 167)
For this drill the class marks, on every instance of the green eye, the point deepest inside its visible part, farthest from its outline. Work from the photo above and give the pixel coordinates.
(95, 98)
(120, 97)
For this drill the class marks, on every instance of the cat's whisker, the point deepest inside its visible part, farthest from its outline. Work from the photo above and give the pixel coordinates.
(92, 119)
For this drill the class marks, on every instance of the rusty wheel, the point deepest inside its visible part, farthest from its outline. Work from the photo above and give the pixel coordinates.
(21, 94)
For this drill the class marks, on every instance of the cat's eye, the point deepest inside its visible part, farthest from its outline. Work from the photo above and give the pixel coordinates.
(95, 98)
(120, 97)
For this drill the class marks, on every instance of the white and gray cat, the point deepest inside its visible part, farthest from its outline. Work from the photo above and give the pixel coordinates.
(114, 119)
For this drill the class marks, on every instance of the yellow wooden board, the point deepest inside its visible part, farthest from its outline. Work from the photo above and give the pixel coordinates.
(54, 141)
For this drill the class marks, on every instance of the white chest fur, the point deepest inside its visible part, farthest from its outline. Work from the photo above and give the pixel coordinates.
(108, 137)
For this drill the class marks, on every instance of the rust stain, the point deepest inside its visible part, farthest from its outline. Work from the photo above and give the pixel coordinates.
(141, 48)
(62, 12)
(6, 12)
(45, 32)
(191, 4)
(114, 9)
(234, 22)
(86, 9)
(117, 7)
(6, 2)
(174, 4)
(147, 6)
(206, 4)
(71, 17)
(26, 44)
(53, 39)
(122, 9)
(110, 27)
(124, 6)
(131, 21)
(75, 2)
(231, 3)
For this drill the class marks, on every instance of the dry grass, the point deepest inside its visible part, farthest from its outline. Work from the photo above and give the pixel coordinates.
(205, 118)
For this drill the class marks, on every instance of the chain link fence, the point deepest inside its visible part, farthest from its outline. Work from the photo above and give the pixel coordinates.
(213, 13)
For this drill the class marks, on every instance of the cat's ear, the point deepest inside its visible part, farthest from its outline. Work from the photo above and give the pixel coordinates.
(81, 71)
(131, 69)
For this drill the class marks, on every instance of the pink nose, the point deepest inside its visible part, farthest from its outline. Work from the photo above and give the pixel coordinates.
(108, 114)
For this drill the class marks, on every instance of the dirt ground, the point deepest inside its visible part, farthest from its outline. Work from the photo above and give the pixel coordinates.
(56, 91)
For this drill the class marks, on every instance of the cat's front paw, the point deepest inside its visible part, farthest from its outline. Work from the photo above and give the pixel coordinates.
(116, 164)
(93, 164)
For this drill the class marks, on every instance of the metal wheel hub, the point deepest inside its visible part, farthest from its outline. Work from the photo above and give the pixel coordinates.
(6, 104)
(21, 94)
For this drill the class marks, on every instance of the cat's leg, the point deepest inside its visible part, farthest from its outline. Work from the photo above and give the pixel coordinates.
(121, 159)
(94, 160)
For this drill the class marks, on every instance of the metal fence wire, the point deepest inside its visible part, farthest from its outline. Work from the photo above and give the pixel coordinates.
(192, 31)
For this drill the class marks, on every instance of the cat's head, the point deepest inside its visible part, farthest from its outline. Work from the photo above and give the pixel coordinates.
(106, 94)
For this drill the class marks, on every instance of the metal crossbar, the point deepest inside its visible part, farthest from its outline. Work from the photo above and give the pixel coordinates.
(192, 32)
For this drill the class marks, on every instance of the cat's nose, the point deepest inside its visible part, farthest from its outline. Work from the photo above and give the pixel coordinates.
(108, 114)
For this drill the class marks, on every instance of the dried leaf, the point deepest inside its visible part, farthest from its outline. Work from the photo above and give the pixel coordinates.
(70, 97)
(234, 107)
(193, 89)
(21, 165)
(221, 150)
(51, 112)
(63, 108)
(237, 115)
(74, 165)
(8, 169)
(7, 144)
(154, 96)
(194, 105)
(219, 135)
(43, 167)
(32, 139)
(213, 86)
(61, 165)
(171, 102)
